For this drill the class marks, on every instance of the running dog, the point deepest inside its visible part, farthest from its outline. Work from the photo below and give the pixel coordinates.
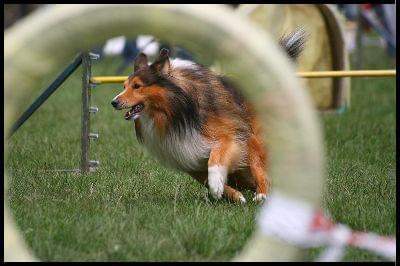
(196, 121)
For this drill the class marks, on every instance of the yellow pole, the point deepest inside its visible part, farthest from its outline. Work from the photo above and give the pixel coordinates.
(307, 74)
(348, 73)
(109, 79)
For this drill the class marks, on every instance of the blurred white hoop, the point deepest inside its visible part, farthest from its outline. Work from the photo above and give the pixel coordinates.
(47, 39)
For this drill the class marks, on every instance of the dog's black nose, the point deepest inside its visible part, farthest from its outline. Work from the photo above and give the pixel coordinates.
(114, 103)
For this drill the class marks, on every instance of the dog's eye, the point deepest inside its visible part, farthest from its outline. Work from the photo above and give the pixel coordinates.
(136, 86)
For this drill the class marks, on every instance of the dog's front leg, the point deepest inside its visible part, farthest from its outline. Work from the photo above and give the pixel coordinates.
(224, 157)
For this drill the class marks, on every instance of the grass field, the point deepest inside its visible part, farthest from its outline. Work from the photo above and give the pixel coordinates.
(134, 209)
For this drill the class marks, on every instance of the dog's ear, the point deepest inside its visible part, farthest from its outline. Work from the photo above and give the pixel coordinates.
(140, 62)
(162, 64)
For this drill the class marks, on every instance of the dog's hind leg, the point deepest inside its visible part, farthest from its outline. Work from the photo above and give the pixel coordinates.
(233, 194)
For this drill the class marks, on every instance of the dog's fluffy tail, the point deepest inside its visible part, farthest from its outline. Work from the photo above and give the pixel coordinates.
(293, 43)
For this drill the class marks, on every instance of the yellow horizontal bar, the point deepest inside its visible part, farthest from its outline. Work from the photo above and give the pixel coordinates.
(309, 74)
(348, 73)
(109, 79)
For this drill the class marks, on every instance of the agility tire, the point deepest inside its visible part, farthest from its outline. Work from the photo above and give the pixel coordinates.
(49, 38)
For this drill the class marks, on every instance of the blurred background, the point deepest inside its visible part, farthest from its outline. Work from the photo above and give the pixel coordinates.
(361, 19)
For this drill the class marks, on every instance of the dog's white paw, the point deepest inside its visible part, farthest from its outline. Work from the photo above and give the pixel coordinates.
(216, 180)
(242, 199)
(260, 197)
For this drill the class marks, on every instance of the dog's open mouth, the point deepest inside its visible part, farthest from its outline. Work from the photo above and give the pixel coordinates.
(134, 112)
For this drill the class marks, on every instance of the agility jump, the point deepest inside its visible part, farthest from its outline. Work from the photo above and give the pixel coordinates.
(90, 82)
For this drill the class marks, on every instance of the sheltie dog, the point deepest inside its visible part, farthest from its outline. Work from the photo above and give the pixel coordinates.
(197, 121)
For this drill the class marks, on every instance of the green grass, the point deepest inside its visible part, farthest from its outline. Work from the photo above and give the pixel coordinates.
(134, 209)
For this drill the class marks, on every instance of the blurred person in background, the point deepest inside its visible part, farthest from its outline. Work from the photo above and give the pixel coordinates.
(379, 17)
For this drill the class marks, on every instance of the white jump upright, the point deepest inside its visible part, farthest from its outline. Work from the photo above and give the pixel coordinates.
(87, 165)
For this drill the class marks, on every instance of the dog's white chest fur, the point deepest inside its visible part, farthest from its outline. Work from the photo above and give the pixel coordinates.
(186, 152)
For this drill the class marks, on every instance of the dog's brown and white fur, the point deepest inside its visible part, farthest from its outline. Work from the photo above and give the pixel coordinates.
(197, 121)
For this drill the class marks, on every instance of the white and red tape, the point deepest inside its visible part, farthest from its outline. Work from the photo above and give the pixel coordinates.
(297, 222)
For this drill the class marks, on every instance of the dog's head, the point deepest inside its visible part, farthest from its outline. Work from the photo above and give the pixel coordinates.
(144, 90)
